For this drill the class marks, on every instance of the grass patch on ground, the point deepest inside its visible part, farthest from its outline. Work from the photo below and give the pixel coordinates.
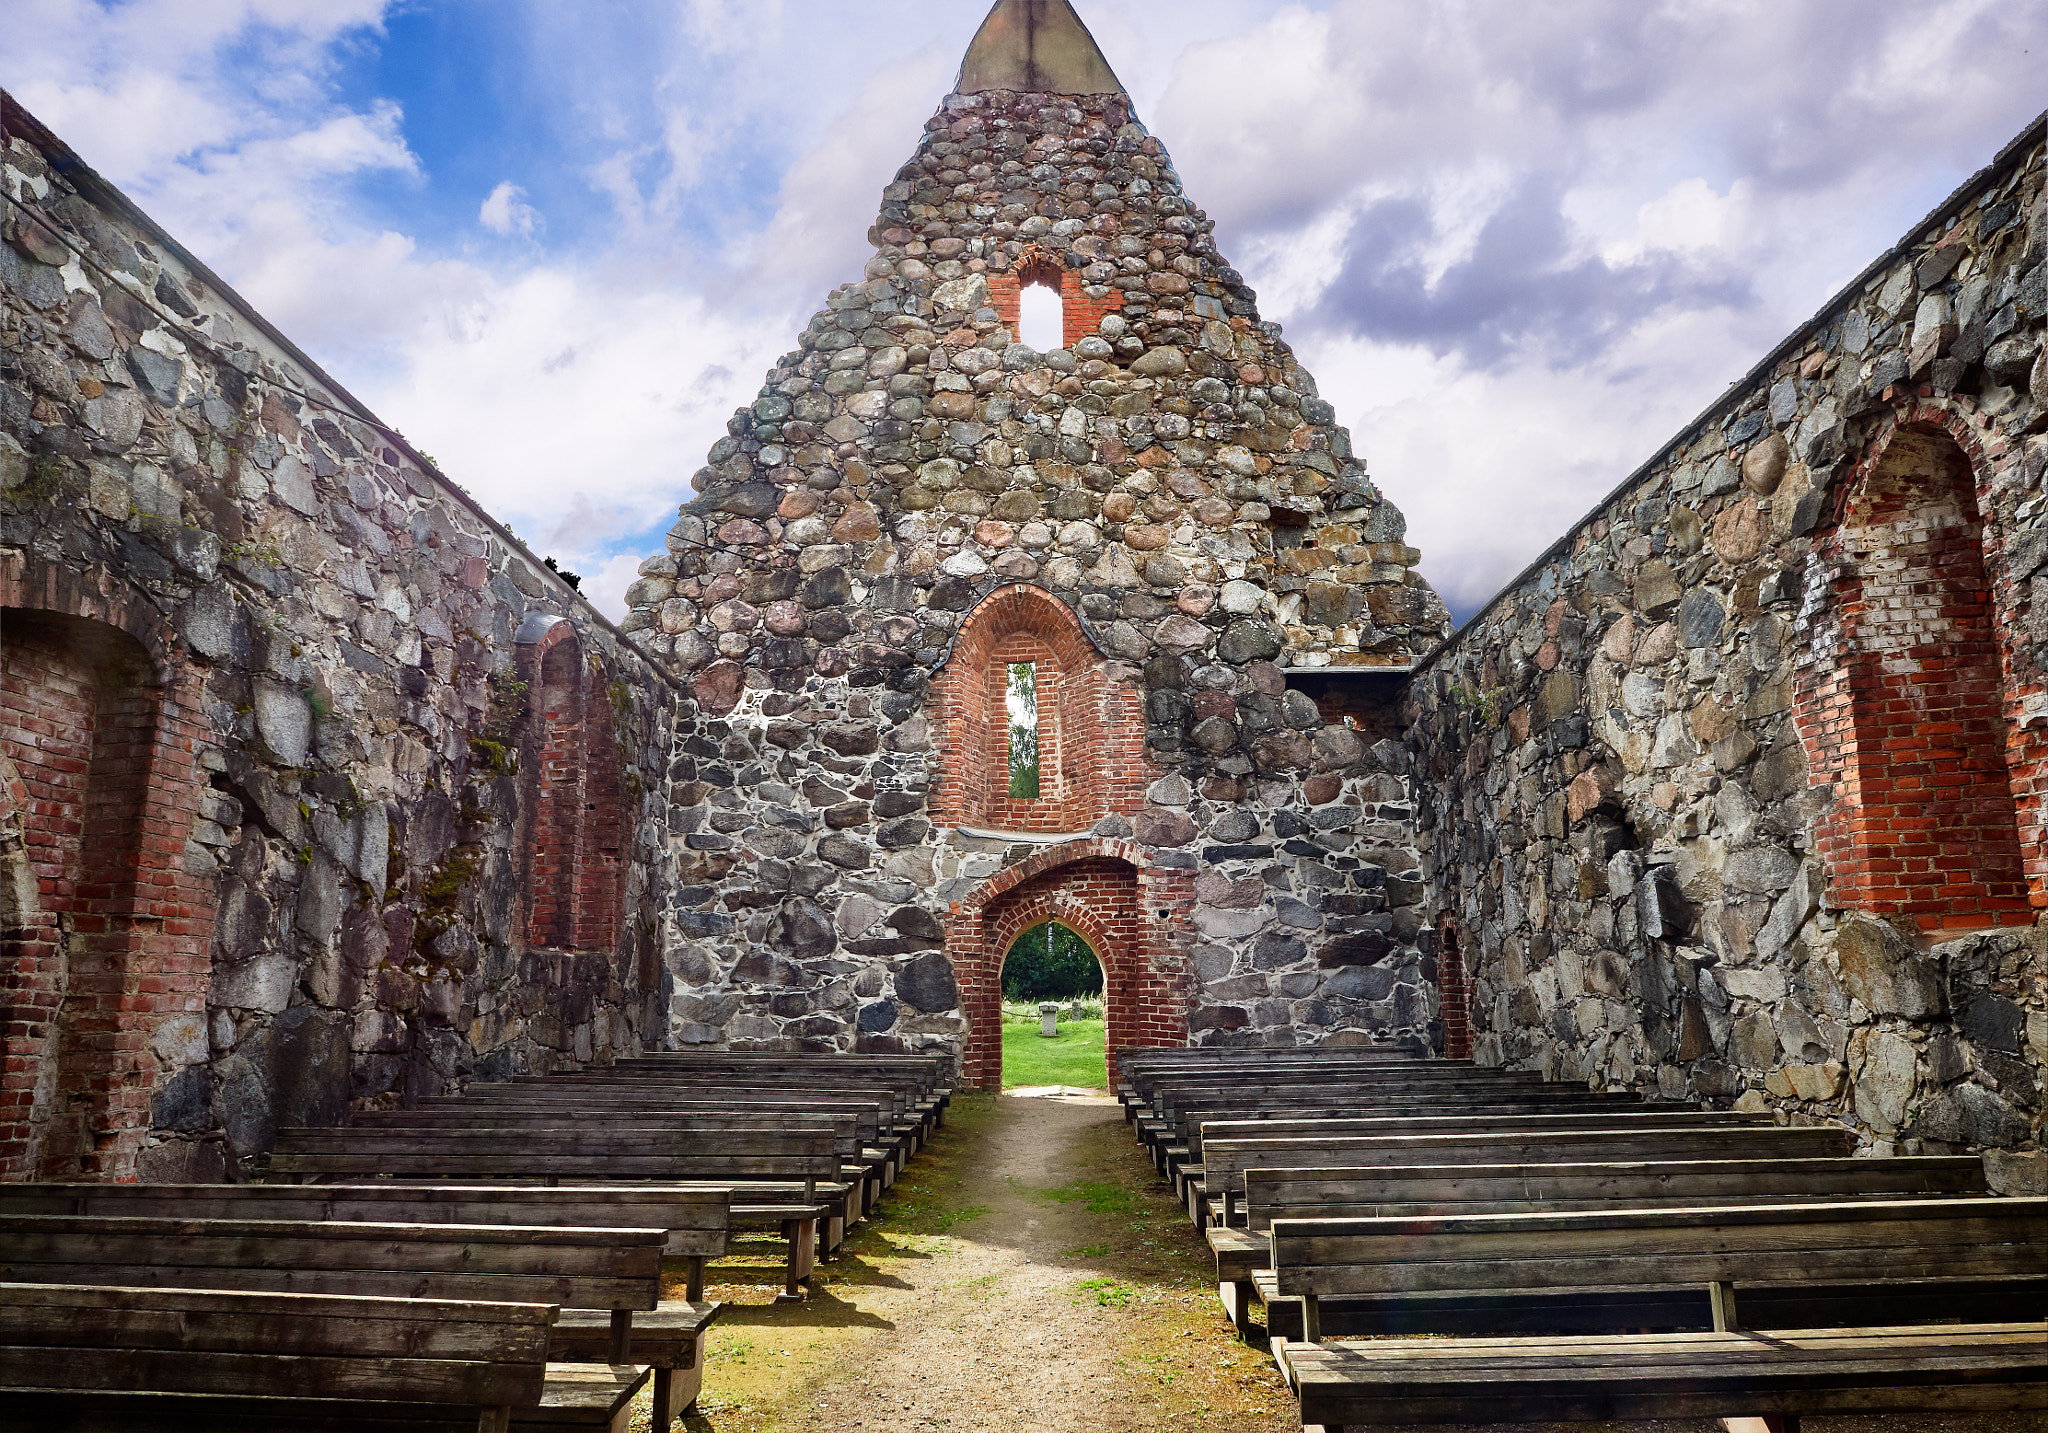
(1073, 1057)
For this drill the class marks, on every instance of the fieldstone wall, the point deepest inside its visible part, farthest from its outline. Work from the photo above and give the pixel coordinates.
(1738, 793)
(332, 657)
(1171, 484)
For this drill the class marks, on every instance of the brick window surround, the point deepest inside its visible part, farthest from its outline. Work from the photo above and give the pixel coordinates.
(572, 811)
(1080, 315)
(1101, 890)
(108, 935)
(1091, 732)
(1906, 700)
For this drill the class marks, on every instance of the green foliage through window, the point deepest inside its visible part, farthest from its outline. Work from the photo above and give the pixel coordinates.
(1050, 962)
(1022, 700)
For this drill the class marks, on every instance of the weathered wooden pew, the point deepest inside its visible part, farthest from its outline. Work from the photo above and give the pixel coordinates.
(1244, 1256)
(1727, 1251)
(696, 1219)
(81, 1359)
(1225, 1160)
(922, 1083)
(603, 1279)
(1176, 1135)
(788, 1175)
(1535, 1139)
(880, 1144)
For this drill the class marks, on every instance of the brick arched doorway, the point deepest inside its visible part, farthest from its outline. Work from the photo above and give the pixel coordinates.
(1103, 891)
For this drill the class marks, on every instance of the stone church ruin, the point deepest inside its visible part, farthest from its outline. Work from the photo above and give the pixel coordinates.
(323, 793)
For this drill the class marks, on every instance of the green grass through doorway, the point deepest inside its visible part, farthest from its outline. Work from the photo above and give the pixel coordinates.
(1074, 1057)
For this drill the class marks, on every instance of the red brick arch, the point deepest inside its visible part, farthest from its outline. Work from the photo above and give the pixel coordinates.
(1912, 701)
(100, 723)
(1106, 892)
(1091, 730)
(1081, 313)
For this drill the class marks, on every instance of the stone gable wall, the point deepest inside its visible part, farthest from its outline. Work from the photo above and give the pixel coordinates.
(1700, 784)
(320, 906)
(1172, 484)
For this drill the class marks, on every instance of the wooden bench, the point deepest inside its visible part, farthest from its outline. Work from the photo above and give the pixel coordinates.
(787, 1177)
(77, 1358)
(697, 1220)
(1730, 1372)
(880, 1143)
(1244, 1256)
(1519, 1122)
(607, 1282)
(1225, 1161)
(1300, 1119)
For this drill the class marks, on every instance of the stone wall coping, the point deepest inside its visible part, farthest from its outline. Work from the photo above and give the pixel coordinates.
(2034, 132)
(16, 120)
(1025, 838)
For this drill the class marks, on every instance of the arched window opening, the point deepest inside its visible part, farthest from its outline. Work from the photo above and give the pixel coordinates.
(1928, 826)
(1021, 700)
(79, 710)
(574, 817)
(1041, 316)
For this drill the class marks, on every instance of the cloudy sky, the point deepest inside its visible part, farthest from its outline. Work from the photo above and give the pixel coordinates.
(1520, 242)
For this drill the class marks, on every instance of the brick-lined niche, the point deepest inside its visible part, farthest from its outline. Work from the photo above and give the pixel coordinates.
(1081, 313)
(1454, 992)
(1090, 732)
(1102, 892)
(106, 932)
(573, 819)
(1908, 723)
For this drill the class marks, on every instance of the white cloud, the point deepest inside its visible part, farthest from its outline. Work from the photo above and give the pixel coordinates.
(505, 211)
(1518, 244)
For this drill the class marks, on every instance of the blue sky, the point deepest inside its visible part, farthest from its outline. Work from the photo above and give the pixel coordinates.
(1520, 242)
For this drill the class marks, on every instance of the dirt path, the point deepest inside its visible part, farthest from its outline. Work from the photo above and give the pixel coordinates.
(1028, 1273)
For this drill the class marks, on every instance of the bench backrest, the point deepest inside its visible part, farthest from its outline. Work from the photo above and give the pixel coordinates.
(903, 1091)
(698, 1220)
(459, 1354)
(1509, 1121)
(1415, 1191)
(1781, 1245)
(872, 1108)
(573, 1268)
(799, 1154)
(516, 1124)
(1224, 1161)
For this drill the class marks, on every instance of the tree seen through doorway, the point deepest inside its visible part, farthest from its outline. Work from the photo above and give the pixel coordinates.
(1050, 962)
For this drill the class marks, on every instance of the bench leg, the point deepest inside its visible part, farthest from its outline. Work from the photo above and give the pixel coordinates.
(694, 1290)
(495, 1420)
(1237, 1303)
(675, 1389)
(792, 1276)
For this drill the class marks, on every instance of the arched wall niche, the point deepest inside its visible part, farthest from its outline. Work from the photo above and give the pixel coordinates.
(1104, 892)
(572, 821)
(1454, 990)
(1091, 730)
(1908, 705)
(108, 934)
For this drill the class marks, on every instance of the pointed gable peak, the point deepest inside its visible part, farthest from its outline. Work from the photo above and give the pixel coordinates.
(1036, 47)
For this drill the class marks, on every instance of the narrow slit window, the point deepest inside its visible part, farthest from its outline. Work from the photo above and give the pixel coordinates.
(1022, 700)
